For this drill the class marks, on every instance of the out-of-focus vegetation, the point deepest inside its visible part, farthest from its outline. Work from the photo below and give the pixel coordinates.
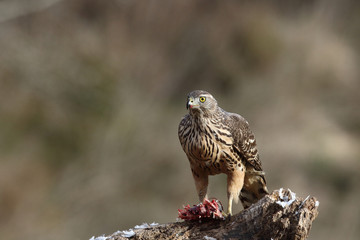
(92, 93)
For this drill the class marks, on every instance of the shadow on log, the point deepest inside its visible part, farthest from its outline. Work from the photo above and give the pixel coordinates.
(280, 215)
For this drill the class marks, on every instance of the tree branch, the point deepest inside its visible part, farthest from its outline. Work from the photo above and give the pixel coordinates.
(280, 215)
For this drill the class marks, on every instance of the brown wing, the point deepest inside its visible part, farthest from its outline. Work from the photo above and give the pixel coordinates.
(244, 140)
(245, 145)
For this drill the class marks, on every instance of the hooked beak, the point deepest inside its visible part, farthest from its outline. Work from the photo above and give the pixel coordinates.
(190, 103)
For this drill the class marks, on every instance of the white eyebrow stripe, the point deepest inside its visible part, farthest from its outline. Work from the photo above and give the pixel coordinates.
(206, 95)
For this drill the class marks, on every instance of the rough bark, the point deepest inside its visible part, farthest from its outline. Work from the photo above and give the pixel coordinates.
(279, 215)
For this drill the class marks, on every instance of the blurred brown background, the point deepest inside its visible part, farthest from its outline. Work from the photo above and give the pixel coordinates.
(92, 93)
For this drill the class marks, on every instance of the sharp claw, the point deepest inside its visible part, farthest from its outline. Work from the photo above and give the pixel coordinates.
(227, 215)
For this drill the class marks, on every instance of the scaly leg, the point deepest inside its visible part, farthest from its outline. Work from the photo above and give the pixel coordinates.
(235, 182)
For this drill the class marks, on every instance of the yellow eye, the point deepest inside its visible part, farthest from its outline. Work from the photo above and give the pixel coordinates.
(202, 99)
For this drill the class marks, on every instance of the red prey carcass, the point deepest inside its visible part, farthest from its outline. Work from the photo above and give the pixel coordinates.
(206, 209)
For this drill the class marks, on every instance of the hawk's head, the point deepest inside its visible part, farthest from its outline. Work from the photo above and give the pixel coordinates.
(201, 103)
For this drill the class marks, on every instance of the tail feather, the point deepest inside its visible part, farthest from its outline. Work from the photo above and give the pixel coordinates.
(254, 188)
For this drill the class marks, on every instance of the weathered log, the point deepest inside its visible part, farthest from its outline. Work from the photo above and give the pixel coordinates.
(280, 215)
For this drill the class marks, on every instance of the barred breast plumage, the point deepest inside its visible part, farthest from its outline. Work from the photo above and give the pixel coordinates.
(216, 141)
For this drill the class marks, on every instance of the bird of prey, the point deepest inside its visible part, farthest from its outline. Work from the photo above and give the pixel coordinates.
(216, 141)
